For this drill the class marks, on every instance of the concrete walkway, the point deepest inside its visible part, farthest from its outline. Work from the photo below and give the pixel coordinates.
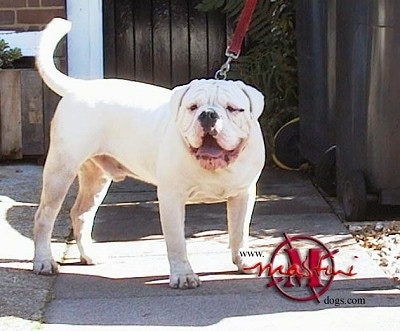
(128, 289)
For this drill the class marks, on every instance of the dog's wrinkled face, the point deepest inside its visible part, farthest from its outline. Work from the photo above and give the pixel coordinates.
(216, 118)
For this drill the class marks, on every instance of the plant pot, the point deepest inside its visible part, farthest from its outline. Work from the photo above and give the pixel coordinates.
(26, 107)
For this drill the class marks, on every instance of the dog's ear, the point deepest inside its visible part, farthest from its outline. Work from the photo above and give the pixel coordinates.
(176, 99)
(256, 99)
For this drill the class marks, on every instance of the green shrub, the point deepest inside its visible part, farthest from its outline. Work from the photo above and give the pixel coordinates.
(8, 55)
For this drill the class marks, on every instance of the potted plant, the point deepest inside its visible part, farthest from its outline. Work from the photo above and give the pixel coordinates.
(26, 106)
(10, 105)
(21, 105)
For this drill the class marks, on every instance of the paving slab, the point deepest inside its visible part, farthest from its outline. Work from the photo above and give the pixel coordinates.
(23, 295)
(238, 311)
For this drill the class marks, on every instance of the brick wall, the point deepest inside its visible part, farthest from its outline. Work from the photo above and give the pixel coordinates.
(29, 15)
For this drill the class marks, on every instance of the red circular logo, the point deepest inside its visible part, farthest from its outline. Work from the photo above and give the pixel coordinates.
(302, 272)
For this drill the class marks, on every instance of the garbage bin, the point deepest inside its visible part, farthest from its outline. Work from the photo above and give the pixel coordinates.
(368, 104)
(316, 49)
(311, 137)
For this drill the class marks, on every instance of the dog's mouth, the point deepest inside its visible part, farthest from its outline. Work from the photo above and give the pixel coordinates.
(212, 156)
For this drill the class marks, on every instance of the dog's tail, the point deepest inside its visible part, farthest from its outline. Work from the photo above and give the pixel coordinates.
(49, 39)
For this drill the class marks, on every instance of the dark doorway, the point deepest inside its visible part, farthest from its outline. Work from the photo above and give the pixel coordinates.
(163, 42)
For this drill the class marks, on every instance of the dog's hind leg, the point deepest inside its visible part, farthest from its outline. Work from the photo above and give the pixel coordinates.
(93, 186)
(58, 175)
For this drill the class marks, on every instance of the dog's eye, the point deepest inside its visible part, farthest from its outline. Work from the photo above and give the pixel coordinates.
(231, 109)
(193, 107)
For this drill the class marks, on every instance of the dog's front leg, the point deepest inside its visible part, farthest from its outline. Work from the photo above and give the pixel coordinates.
(240, 209)
(172, 214)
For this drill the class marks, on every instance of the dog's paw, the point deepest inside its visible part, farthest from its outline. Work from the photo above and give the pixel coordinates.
(88, 260)
(87, 252)
(244, 267)
(247, 269)
(184, 281)
(45, 267)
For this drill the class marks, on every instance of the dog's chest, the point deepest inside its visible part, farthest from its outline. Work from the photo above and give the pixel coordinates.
(212, 192)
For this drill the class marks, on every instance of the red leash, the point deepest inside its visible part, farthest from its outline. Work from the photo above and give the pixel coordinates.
(233, 50)
(241, 28)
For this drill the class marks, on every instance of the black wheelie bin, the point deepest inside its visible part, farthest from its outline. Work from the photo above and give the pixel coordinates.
(310, 138)
(316, 50)
(368, 104)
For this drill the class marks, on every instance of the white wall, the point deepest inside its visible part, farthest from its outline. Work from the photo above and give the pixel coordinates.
(85, 41)
(26, 41)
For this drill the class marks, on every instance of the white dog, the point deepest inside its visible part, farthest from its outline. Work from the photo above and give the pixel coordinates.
(200, 142)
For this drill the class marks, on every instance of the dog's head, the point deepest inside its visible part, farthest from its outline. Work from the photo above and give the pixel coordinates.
(216, 118)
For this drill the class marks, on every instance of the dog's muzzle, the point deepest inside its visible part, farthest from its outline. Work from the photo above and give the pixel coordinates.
(208, 120)
(212, 156)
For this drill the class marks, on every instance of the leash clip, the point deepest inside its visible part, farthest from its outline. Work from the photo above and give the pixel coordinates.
(222, 73)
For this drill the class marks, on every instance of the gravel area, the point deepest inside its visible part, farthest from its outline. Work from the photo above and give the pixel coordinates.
(382, 241)
(380, 238)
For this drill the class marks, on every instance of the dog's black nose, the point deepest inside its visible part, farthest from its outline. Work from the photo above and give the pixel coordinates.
(207, 119)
